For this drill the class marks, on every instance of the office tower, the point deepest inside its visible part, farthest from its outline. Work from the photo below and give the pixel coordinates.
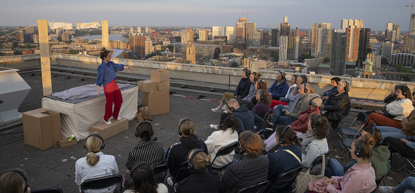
(345, 23)
(275, 37)
(319, 39)
(146, 30)
(149, 48)
(338, 53)
(388, 31)
(190, 48)
(283, 48)
(352, 43)
(293, 47)
(265, 39)
(35, 38)
(296, 32)
(65, 36)
(230, 33)
(30, 29)
(396, 33)
(218, 31)
(240, 34)
(376, 59)
(138, 29)
(250, 30)
(184, 34)
(131, 30)
(138, 43)
(203, 35)
(285, 28)
(387, 49)
(256, 39)
(364, 46)
(20, 36)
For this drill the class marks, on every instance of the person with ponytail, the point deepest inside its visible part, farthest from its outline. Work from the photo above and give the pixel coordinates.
(106, 78)
(148, 150)
(264, 101)
(200, 179)
(359, 178)
(95, 164)
(144, 180)
(286, 157)
(314, 141)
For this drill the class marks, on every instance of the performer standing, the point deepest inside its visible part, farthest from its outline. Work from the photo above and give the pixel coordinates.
(106, 77)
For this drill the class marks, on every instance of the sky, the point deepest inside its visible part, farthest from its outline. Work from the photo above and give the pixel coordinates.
(206, 13)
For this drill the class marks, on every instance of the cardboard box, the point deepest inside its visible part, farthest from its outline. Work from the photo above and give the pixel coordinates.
(158, 102)
(160, 75)
(107, 131)
(65, 142)
(147, 86)
(42, 128)
(163, 85)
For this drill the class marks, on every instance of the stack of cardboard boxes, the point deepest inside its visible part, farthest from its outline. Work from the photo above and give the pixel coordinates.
(156, 92)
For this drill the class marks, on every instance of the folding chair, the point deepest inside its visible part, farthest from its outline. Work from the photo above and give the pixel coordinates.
(347, 131)
(284, 178)
(405, 160)
(102, 182)
(347, 142)
(226, 150)
(182, 174)
(256, 188)
(48, 190)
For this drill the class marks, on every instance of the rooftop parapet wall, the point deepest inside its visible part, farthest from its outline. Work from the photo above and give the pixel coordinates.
(375, 89)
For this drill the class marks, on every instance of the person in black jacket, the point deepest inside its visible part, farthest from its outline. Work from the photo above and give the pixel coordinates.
(200, 180)
(242, 90)
(178, 152)
(337, 105)
(246, 118)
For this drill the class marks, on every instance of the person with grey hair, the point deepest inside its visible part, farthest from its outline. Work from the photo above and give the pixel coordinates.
(338, 104)
(247, 119)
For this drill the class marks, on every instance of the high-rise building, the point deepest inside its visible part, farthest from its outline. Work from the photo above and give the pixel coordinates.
(388, 31)
(218, 31)
(265, 38)
(149, 48)
(345, 23)
(338, 53)
(275, 37)
(396, 33)
(146, 30)
(293, 47)
(35, 38)
(30, 29)
(256, 39)
(240, 35)
(285, 28)
(65, 36)
(137, 43)
(131, 30)
(387, 49)
(184, 34)
(230, 33)
(376, 59)
(283, 49)
(352, 43)
(364, 46)
(296, 32)
(250, 30)
(138, 29)
(203, 35)
(320, 39)
(410, 39)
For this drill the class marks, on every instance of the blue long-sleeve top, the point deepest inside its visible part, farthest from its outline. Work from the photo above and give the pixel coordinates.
(106, 72)
(330, 92)
(280, 90)
(411, 144)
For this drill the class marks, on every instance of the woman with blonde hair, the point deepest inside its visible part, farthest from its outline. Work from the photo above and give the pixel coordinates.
(95, 164)
(200, 178)
(14, 181)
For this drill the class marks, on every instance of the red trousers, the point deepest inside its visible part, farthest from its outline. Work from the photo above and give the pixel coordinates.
(276, 103)
(381, 120)
(113, 95)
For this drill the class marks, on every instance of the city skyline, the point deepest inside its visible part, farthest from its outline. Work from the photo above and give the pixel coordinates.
(302, 14)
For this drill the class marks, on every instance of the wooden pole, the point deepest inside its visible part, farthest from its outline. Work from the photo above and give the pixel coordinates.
(105, 42)
(44, 57)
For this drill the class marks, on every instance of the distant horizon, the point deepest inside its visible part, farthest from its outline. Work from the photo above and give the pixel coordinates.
(197, 13)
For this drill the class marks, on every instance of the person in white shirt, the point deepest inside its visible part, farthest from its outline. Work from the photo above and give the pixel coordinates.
(314, 141)
(95, 164)
(144, 180)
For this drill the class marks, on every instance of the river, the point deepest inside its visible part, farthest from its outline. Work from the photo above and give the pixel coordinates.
(111, 37)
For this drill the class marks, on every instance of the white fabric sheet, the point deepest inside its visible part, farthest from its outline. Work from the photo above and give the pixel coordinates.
(77, 118)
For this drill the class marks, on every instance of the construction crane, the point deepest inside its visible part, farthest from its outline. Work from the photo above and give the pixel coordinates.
(262, 48)
(246, 24)
(409, 34)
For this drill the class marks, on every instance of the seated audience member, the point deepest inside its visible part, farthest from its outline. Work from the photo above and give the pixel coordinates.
(252, 91)
(280, 87)
(14, 181)
(200, 180)
(262, 106)
(285, 116)
(301, 124)
(246, 118)
(289, 97)
(388, 99)
(95, 164)
(252, 169)
(337, 105)
(407, 124)
(379, 159)
(406, 186)
(300, 80)
(144, 180)
(241, 91)
(314, 141)
(334, 83)
(287, 157)
(147, 150)
(226, 134)
(394, 112)
(179, 151)
(359, 178)
(260, 84)
(413, 99)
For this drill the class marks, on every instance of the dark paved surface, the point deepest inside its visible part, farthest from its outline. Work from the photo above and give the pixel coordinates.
(55, 166)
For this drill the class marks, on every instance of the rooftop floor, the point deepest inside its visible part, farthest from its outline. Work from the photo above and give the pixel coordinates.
(56, 166)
